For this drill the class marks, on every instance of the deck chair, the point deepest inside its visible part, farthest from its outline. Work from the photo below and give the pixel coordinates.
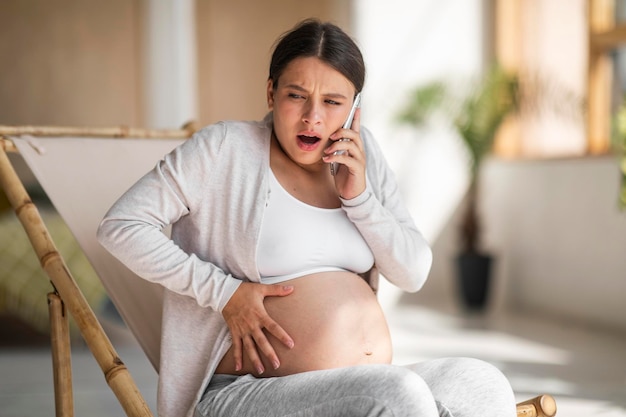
(70, 163)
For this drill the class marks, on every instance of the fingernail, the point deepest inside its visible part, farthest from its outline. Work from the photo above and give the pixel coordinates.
(290, 344)
(287, 287)
(260, 370)
(276, 364)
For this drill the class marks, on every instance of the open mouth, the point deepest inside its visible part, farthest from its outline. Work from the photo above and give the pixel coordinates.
(308, 142)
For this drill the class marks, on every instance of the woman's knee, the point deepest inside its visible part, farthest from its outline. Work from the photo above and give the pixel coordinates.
(402, 381)
(466, 384)
(453, 369)
(401, 390)
(493, 393)
(475, 369)
(483, 374)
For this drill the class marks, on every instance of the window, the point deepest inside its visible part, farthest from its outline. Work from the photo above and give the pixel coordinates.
(581, 43)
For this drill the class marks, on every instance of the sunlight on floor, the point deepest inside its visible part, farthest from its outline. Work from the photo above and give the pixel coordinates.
(583, 368)
(572, 407)
(442, 336)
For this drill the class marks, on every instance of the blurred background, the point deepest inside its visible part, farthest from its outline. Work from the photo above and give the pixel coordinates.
(543, 176)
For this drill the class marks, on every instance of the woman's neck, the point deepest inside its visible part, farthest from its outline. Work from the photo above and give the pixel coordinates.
(311, 184)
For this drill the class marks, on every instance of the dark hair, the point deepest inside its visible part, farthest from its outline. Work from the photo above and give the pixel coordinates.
(326, 41)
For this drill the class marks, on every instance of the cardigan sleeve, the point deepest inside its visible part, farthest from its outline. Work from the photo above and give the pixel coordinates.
(132, 230)
(402, 255)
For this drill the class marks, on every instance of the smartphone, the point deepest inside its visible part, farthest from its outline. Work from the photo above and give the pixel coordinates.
(347, 125)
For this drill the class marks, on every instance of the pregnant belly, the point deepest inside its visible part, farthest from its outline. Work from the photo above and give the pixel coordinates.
(334, 319)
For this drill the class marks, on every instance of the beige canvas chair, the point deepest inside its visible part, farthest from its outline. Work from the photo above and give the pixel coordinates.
(83, 171)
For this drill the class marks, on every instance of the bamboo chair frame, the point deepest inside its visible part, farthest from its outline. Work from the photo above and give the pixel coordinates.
(68, 298)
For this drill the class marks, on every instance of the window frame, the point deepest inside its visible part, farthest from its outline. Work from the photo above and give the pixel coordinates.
(604, 36)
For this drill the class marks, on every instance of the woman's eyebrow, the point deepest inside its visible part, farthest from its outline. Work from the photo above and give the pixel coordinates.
(296, 87)
(336, 95)
(304, 90)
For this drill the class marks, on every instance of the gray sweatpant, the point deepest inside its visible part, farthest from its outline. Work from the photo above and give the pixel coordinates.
(451, 387)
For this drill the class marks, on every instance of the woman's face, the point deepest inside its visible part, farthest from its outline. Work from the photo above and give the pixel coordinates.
(311, 101)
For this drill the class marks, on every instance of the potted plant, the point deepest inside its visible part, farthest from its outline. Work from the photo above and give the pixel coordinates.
(476, 117)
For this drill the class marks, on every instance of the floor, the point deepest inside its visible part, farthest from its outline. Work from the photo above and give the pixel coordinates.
(584, 368)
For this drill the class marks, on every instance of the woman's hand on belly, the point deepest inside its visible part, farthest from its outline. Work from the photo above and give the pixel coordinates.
(250, 325)
(334, 319)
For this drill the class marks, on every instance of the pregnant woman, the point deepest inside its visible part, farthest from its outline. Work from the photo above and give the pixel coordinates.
(272, 265)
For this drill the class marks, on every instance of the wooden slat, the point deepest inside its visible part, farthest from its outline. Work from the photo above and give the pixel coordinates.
(112, 132)
(608, 39)
(541, 406)
(7, 145)
(61, 357)
(508, 45)
(601, 21)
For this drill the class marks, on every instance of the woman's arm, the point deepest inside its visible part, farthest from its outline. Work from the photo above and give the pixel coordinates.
(401, 253)
(132, 229)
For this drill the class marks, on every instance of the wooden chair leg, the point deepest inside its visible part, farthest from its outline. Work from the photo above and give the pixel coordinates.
(61, 357)
(541, 406)
(116, 374)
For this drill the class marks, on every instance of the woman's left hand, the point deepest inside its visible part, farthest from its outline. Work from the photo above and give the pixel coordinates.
(350, 175)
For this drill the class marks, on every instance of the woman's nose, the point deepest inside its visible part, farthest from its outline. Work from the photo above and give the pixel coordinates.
(312, 114)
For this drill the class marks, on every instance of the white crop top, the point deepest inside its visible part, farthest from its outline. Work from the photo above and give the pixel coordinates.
(298, 239)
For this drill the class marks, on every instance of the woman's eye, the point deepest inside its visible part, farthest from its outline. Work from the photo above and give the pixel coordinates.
(333, 102)
(294, 95)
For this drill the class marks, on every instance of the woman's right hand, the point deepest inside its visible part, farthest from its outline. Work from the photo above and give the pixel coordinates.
(246, 318)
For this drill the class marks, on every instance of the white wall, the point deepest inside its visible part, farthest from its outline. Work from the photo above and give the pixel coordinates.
(559, 236)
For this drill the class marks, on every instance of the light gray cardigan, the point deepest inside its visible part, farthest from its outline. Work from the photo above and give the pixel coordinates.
(212, 190)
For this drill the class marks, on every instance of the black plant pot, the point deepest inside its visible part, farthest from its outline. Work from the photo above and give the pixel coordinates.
(474, 274)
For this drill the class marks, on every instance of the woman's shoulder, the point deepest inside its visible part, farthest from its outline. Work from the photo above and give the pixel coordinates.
(232, 132)
(224, 142)
(369, 137)
(372, 147)
(378, 171)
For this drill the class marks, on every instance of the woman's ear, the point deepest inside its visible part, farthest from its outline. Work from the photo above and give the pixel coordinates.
(270, 95)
